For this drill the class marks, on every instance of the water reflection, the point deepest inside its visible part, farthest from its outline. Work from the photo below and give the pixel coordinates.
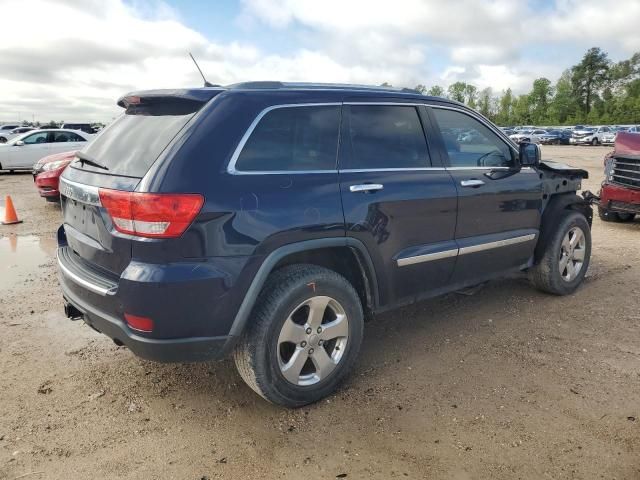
(21, 256)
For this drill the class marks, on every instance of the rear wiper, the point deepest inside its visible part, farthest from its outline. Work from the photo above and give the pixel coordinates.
(84, 158)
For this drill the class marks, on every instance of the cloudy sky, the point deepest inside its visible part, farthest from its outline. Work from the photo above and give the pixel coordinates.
(71, 59)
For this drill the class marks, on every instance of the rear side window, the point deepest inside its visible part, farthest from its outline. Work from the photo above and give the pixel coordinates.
(131, 144)
(293, 139)
(384, 136)
(67, 137)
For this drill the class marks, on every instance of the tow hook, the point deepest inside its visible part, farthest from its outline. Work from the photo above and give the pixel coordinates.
(590, 198)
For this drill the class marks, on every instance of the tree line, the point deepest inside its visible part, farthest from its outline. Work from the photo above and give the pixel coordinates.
(595, 91)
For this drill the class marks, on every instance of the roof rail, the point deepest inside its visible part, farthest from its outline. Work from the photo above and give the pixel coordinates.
(313, 86)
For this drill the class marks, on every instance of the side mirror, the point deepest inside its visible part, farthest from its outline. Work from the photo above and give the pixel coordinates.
(530, 154)
(19, 143)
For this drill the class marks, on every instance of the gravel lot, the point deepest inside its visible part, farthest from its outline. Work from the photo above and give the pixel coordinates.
(505, 383)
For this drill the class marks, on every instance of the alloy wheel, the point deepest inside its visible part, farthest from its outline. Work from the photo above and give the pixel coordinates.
(572, 253)
(312, 340)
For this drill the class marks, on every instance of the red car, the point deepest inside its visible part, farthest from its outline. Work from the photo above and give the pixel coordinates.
(620, 193)
(46, 174)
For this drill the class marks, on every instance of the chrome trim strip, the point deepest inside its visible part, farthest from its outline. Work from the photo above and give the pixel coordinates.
(429, 257)
(231, 167)
(499, 243)
(366, 170)
(80, 192)
(382, 103)
(82, 282)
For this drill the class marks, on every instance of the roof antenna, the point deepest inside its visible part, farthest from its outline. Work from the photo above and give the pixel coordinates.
(206, 84)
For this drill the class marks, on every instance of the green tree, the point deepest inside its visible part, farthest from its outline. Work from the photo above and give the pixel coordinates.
(420, 88)
(471, 95)
(589, 76)
(436, 91)
(505, 104)
(484, 102)
(457, 91)
(563, 105)
(539, 100)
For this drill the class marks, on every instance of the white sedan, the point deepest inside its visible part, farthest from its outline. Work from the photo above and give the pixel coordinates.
(23, 151)
(531, 135)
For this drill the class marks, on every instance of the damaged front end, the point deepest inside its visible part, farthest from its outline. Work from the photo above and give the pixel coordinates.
(620, 192)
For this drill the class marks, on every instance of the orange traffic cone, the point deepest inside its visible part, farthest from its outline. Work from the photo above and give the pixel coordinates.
(10, 215)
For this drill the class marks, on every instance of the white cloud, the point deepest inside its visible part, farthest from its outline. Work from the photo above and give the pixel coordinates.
(71, 59)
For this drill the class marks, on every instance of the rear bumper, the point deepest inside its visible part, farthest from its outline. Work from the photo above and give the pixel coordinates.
(190, 305)
(190, 349)
(620, 199)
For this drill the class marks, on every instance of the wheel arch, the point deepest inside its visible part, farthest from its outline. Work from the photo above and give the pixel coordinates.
(558, 204)
(357, 268)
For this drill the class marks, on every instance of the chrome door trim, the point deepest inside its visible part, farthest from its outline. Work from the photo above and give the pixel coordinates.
(497, 244)
(231, 166)
(429, 257)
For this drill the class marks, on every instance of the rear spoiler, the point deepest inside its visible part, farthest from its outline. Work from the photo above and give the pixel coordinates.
(195, 95)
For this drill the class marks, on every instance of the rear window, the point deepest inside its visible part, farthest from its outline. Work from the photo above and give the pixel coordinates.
(293, 139)
(131, 144)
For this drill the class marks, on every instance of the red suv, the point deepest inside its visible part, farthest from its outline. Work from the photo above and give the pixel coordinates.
(620, 193)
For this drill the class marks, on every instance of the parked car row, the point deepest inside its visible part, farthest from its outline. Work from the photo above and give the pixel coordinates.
(11, 130)
(23, 151)
(577, 135)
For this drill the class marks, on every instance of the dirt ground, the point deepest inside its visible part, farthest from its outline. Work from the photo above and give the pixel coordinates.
(506, 383)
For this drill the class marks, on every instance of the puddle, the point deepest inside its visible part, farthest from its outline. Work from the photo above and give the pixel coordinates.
(21, 256)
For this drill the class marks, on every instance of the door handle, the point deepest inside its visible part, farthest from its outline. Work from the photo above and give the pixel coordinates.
(472, 183)
(366, 187)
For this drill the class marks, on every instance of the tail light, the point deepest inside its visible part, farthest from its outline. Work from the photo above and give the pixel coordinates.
(152, 215)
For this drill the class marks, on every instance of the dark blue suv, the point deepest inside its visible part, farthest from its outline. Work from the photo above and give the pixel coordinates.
(267, 220)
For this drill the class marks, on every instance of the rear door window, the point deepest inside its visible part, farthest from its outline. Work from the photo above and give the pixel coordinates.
(386, 136)
(67, 137)
(293, 139)
(133, 142)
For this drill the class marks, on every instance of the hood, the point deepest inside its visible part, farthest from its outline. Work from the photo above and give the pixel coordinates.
(627, 144)
(583, 132)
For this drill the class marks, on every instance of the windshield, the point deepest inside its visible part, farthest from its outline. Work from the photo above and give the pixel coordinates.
(133, 142)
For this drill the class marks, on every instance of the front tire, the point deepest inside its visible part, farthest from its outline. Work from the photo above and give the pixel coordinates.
(304, 337)
(565, 257)
(594, 142)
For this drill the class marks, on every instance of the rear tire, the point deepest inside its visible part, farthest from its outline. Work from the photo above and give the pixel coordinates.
(611, 216)
(565, 257)
(287, 354)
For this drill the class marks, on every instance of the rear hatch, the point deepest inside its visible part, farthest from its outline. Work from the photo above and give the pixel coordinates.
(115, 161)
